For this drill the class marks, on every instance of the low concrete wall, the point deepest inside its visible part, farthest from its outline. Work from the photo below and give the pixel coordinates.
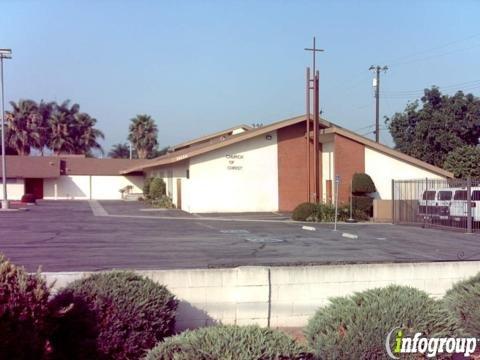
(285, 296)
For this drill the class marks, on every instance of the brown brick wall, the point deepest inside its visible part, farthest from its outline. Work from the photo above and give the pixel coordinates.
(292, 166)
(349, 158)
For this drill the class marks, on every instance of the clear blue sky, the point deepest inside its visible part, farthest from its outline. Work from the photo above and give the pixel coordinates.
(201, 66)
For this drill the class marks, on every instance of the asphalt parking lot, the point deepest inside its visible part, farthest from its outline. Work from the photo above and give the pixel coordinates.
(67, 236)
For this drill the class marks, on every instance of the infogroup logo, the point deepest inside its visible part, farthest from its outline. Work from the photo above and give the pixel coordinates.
(429, 346)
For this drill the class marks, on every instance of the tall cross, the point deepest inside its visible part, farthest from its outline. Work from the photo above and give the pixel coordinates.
(314, 51)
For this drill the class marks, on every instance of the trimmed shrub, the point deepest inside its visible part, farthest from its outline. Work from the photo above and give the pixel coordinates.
(23, 312)
(463, 301)
(115, 315)
(362, 184)
(158, 189)
(356, 327)
(229, 342)
(28, 199)
(146, 187)
(304, 211)
(363, 203)
(164, 202)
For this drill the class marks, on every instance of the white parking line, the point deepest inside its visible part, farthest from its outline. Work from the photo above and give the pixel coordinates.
(97, 208)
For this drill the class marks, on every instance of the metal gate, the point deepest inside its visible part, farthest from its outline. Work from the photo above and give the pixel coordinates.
(442, 203)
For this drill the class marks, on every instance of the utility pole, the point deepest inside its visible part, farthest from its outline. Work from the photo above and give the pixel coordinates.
(313, 84)
(4, 54)
(376, 85)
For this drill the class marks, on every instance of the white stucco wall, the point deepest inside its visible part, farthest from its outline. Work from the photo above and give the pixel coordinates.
(72, 187)
(383, 169)
(108, 187)
(327, 167)
(15, 189)
(84, 187)
(242, 177)
(285, 296)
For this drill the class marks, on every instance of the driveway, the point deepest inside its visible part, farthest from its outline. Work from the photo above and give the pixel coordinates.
(67, 236)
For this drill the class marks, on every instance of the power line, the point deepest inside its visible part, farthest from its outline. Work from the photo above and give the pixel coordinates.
(426, 51)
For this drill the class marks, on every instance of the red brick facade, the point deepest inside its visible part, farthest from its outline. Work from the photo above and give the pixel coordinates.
(292, 166)
(349, 158)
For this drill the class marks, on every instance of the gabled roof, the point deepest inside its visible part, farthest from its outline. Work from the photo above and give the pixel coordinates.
(328, 128)
(387, 150)
(187, 153)
(209, 137)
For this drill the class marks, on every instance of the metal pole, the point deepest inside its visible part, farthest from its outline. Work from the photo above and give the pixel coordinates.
(130, 143)
(393, 201)
(315, 136)
(377, 106)
(307, 104)
(469, 204)
(337, 183)
(4, 166)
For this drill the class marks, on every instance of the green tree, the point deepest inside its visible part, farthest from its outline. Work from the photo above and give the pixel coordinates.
(71, 131)
(464, 161)
(84, 134)
(22, 132)
(143, 135)
(438, 124)
(119, 151)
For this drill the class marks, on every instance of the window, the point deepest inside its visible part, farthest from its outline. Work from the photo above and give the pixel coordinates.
(460, 195)
(444, 195)
(476, 195)
(429, 195)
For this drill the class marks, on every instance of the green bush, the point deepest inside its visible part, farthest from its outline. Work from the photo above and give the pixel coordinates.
(363, 203)
(164, 202)
(304, 211)
(229, 343)
(158, 189)
(146, 187)
(362, 184)
(326, 212)
(115, 315)
(356, 327)
(23, 312)
(463, 301)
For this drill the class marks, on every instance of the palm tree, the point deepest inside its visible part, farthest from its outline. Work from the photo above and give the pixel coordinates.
(71, 131)
(143, 135)
(45, 110)
(59, 140)
(119, 151)
(85, 135)
(22, 126)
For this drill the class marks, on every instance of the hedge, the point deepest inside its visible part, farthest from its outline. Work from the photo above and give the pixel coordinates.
(230, 342)
(23, 313)
(362, 184)
(356, 327)
(115, 315)
(463, 301)
(304, 211)
(157, 189)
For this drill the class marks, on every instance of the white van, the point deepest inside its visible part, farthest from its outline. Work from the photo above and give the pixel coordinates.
(458, 208)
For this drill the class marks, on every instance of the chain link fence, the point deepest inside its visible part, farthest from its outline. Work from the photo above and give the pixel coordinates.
(441, 203)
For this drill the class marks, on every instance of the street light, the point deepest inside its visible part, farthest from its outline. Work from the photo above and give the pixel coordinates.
(4, 54)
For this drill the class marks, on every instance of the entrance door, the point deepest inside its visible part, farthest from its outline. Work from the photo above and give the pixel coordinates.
(179, 193)
(35, 187)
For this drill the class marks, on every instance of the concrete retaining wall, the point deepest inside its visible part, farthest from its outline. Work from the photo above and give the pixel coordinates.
(285, 296)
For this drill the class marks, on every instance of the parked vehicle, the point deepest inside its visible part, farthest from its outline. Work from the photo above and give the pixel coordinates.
(458, 208)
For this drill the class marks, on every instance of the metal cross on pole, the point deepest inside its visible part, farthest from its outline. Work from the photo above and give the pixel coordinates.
(316, 109)
(314, 51)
